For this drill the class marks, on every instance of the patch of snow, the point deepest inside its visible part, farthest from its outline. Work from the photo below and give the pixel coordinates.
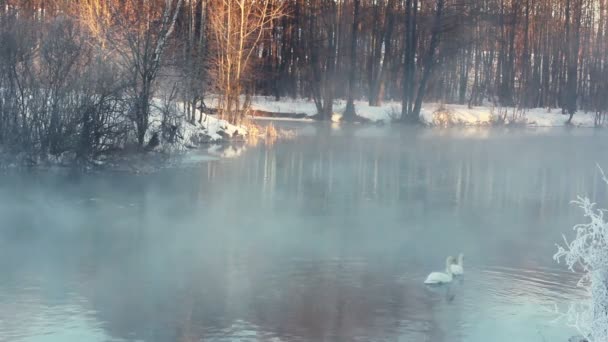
(285, 105)
(308, 107)
(429, 114)
(486, 115)
(189, 135)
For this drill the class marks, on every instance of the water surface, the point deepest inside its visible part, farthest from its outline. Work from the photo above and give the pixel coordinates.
(324, 238)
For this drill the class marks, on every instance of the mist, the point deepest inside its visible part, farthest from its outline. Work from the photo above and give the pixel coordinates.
(325, 237)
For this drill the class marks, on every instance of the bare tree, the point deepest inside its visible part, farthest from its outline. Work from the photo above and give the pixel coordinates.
(350, 113)
(322, 17)
(587, 254)
(573, 25)
(57, 98)
(139, 32)
(382, 56)
(238, 27)
(429, 61)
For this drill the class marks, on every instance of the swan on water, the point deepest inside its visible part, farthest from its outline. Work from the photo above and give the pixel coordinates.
(440, 277)
(457, 267)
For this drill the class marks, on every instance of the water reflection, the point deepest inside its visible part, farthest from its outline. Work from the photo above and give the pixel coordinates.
(323, 238)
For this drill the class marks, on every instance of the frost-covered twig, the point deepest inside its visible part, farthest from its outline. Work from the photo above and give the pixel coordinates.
(588, 252)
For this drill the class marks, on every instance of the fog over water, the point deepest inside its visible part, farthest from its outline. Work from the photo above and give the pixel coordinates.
(327, 237)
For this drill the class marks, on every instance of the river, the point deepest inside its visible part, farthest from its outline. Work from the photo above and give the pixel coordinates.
(326, 237)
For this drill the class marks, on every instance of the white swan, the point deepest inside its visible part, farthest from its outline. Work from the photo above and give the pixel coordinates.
(458, 268)
(440, 277)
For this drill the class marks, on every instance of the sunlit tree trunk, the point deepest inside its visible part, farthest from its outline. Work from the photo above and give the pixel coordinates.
(238, 27)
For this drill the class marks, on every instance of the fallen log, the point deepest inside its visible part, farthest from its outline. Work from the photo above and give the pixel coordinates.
(266, 114)
(259, 113)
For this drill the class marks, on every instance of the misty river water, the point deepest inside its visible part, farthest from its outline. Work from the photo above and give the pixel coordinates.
(327, 237)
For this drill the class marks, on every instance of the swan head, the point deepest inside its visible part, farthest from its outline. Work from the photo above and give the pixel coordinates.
(449, 261)
(460, 258)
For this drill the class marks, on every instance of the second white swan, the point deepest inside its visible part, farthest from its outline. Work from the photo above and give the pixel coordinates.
(458, 267)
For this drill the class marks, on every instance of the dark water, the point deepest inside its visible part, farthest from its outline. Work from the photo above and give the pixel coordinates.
(324, 238)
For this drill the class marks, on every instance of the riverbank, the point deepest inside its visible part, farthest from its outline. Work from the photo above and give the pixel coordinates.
(168, 138)
(170, 135)
(432, 114)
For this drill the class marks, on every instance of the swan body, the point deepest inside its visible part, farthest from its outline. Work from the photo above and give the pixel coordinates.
(440, 277)
(458, 267)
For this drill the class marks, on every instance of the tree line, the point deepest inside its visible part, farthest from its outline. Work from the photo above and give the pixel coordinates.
(517, 53)
(80, 76)
(83, 75)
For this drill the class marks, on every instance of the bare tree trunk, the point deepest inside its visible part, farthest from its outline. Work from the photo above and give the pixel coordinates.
(409, 68)
(430, 58)
(328, 102)
(146, 51)
(382, 64)
(525, 82)
(571, 93)
(350, 113)
(238, 27)
(405, 100)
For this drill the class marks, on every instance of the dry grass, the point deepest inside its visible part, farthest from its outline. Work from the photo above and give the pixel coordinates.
(443, 117)
(269, 134)
(253, 133)
(507, 117)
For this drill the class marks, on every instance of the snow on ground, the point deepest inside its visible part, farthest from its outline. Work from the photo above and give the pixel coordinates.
(187, 134)
(214, 130)
(436, 115)
(432, 114)
(540, 117)
(285, 105)
(308, 107)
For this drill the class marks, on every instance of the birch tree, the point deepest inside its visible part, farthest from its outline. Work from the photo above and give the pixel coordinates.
(238, 28)
(138, 31)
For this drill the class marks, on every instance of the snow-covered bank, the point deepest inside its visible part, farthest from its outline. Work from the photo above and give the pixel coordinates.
(181, 142)
(445, 115)
(178, 134)
(432, 114)
(303, 106)
(170, 131)
(168, 137)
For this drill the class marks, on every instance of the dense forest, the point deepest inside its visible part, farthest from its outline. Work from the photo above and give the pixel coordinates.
(523, 53)
(82, 75)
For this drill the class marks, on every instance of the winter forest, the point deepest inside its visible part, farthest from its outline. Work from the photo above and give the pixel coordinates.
(83, 75)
